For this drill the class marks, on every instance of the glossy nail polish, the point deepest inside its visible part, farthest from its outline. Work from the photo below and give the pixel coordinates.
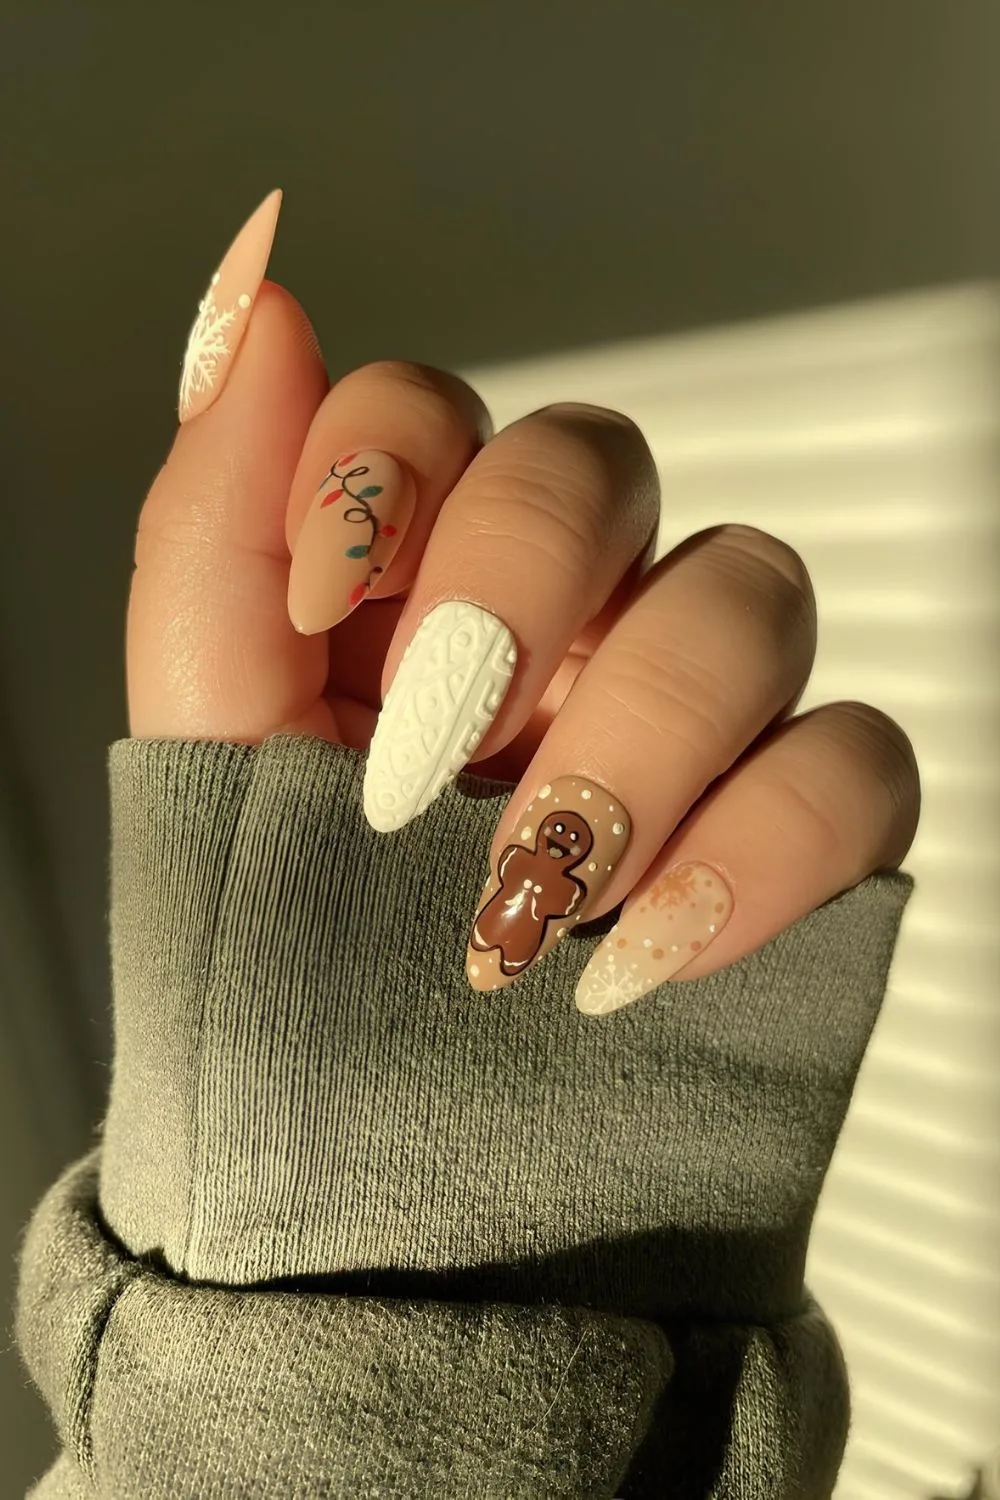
(351, 533)
(224, 311)
(569, 843)
(660, 931)
(451, 682)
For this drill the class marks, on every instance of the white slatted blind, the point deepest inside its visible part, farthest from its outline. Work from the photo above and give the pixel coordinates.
(869, 438)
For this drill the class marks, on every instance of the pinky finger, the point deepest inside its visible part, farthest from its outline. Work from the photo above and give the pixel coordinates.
(818, 806)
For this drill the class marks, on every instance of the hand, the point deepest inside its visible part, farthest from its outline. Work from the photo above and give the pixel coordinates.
(646, 713)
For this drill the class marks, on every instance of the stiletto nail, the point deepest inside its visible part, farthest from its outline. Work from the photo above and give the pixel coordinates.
(350, 535)
(569, 843)
(451, 681)
(224, 311)
(660, 931)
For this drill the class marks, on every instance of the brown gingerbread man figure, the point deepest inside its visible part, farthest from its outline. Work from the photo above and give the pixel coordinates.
(536, 887)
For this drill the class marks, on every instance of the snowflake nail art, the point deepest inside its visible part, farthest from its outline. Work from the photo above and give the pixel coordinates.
(208, 344)
(662, 929)
(224, 311)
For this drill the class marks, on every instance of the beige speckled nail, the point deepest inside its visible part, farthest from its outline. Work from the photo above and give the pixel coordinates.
(661, 929)
(224, 311)
(568, 843)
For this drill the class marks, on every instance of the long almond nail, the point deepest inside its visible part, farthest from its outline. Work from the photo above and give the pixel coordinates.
(451, 681)
(570, 841)
(350, 535)
(224, 311)
(660, 931)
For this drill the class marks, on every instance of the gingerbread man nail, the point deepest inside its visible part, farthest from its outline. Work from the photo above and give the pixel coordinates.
(570, 840)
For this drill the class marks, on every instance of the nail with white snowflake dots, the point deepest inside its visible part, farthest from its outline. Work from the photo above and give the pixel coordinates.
(567, 845)
(224, 311)
(662, 928)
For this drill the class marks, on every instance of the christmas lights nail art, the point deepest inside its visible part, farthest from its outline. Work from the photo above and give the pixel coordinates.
(352, 531)
(568, 844)
(661, 929)
(224, 311)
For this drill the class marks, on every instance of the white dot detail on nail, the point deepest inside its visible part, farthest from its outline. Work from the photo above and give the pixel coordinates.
(673, 948)
(647, 942)
(526, 833)
(244, 300)
(711, 927)
(527, 885)
(474, 970)
(537, 890)
(545, 791)
(618, 828)
(586, 794)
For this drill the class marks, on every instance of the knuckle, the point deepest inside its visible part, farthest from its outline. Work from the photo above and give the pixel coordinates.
(885, 748)
(533, 515)
(433, 393)
(750, 545)
(678, 698)
(181, 518)
(794, 808)
(379, 372)
(586, 415)
(612, 438)
(587, 460)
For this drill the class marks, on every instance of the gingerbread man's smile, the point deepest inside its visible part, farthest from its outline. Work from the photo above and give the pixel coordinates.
(567, 838)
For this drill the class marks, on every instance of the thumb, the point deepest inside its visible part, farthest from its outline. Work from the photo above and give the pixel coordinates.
(211, 652)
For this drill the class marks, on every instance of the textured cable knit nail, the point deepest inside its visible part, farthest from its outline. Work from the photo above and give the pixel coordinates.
(451, 681)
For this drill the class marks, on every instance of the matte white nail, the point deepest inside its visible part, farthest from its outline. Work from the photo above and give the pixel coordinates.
(451, 681)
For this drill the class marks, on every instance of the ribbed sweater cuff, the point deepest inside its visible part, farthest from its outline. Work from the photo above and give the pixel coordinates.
(305, 1084)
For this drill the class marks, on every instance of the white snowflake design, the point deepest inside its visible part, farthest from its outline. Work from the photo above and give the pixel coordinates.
(208, 344)
(611, 986)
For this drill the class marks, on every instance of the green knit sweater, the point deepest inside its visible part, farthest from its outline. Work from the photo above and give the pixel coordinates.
(351, 1229)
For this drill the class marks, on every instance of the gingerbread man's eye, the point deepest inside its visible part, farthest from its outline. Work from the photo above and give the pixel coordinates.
(560, 828)
(574, 838)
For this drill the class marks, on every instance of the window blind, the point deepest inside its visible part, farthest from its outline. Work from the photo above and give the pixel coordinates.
(869, 438)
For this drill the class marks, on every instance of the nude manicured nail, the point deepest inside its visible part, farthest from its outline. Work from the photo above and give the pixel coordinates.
(451, 681)
(567, 846)
(660, 931)
(351, 532)
(224, 311)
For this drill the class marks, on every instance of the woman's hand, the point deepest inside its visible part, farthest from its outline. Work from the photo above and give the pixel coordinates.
(304, 550)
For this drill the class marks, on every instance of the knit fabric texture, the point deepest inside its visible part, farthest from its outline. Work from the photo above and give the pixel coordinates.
(352, 1229)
